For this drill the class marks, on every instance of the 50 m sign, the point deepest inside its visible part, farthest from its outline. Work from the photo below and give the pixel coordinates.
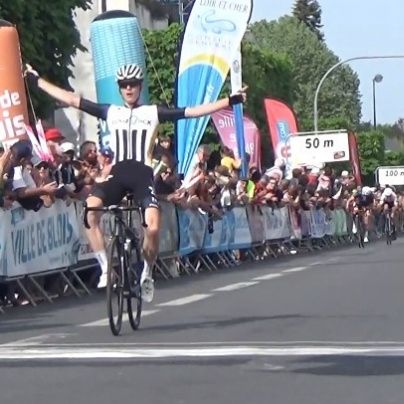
(319, 148)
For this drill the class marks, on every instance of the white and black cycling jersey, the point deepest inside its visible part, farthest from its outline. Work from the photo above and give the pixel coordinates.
(132, 130)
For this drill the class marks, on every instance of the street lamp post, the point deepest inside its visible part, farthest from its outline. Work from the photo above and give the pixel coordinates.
(377, 79)
(334, 67)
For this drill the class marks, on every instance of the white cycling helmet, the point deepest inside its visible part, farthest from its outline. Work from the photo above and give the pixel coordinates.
(366, 191)
(130, 72)
(388, 192)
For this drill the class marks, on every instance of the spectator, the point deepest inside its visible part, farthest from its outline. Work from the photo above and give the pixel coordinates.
(88, 154)
(277, 170)
(54, 135)
(54, 138)
(254, 177)
(228, 160)
(296, 173)
(198, 166)
(67, 169)
(43, 178)
(165, 182)
(163, 148)
(242, 197)
(312, 174)
(105, 159)
(27, 192)
(274, 195)
(325, 180)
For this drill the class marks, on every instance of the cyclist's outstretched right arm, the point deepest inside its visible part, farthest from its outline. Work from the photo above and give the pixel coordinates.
(55, 92)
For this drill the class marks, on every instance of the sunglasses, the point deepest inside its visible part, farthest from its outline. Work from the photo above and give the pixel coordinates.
(129, 83)
(43, 167)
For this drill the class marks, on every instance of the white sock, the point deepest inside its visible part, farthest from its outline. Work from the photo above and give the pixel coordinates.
(147, 271)
(102, 260)
(366, 234)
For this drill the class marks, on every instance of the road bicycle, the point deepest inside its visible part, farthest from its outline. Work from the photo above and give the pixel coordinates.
(123, 276)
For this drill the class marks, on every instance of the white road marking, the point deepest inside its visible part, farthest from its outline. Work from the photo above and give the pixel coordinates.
(296, 269)
(267, 277)
(125, 351)
(185, 300)
(105, 321)
(235, 286)
(37, 340)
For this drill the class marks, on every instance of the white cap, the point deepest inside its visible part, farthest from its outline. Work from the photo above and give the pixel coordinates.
(344, 173)
(67, 146)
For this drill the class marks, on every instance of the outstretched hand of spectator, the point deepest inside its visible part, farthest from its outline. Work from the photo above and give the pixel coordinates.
(50, 188)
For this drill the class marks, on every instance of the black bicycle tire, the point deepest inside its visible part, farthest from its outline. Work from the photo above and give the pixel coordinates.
(134, 321)
(363, 231)
(358, 225)
(388, 229)
(115, 320)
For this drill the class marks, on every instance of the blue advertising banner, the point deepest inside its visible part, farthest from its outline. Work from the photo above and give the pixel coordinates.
(38, 241)
(212, 36)
(192, 228)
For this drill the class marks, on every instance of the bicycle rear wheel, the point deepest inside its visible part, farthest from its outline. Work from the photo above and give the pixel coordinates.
(134, 301)
(115, 284)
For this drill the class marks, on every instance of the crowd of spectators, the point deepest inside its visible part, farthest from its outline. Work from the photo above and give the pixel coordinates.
(210, 186)
(213, 184)
(68, 174)
(213, 189)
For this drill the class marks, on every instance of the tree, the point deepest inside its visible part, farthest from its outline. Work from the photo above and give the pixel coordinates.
(161, 62)
(161, 9)
(371, 153)
(339, 96)
(268, 74)
(48, 38)
(394, 158)
(309, 12)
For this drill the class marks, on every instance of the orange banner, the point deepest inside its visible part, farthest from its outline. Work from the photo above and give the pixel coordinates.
(13, 102)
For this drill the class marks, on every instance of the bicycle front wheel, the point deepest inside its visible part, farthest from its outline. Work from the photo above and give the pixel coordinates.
(134, 301)
(388, 229)
(115, 285)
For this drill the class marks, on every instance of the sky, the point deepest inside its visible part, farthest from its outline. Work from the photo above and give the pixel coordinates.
(361, 28)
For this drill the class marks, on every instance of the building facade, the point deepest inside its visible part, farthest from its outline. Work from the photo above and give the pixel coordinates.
(76, 125)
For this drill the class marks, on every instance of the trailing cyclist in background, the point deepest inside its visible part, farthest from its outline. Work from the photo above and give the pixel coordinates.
(361, 206)
(388, 204)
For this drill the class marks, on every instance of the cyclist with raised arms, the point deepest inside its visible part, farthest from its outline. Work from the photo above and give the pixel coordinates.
(133, 129)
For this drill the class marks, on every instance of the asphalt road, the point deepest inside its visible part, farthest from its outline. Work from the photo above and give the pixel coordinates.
(312, 329)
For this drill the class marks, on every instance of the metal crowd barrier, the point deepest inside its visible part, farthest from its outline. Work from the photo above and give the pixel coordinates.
(36, 246)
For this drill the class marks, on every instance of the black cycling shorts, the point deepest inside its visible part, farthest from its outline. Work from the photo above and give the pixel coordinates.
(127, 176)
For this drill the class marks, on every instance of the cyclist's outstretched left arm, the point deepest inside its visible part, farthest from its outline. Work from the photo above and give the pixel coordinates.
(206, 109)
